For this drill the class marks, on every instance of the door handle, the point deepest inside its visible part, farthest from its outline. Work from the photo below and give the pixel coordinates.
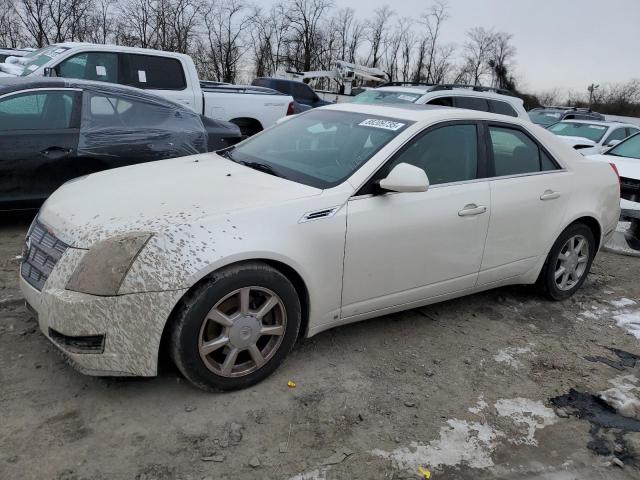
(549, 195)
(55, 153)
(472, 209)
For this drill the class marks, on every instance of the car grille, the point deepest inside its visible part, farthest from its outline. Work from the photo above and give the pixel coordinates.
(42, 250)
(630, 185)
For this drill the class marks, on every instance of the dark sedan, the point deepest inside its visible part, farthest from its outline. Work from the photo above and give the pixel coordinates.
(55, 129)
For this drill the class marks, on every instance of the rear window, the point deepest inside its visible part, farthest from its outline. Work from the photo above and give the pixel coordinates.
(472, 103)
(585, 130)
(156, 73)
(502, 108)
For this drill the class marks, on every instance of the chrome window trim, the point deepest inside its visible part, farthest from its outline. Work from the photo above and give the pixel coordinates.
(40, 89)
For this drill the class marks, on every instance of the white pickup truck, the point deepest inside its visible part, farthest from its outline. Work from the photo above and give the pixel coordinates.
(170, 75)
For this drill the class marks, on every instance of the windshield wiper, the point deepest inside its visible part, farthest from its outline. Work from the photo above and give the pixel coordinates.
(262, 167)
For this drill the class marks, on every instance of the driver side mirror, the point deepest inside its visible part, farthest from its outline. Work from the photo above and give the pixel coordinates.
(612, 143)
(405, 178)
(50, 72)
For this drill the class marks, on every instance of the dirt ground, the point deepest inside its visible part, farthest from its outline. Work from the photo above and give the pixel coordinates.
(461, 390)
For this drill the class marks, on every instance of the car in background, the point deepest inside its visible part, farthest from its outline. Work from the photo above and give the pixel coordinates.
(53, 130)
(545, 116)
(626, 158)
(168, 74)
(301, 92)
(472, 97)
(13, 52)
(340, 214)
(592, 137)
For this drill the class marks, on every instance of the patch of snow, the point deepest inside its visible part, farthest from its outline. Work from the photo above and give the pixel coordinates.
(460, 442)
(625, 312)
(508, 355)
(533, 415)
(622, 302)
(481, 405)
(622, 397)
(317, 474)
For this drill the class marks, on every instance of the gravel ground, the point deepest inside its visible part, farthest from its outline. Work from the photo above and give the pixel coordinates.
(461, 389)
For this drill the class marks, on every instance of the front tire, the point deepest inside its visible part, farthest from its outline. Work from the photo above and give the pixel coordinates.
(568, 262)
(235, 328)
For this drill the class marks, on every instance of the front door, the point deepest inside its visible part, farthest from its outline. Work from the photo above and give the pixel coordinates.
(404, 248)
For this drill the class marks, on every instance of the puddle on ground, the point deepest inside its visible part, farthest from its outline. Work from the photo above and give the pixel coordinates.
(604, 420)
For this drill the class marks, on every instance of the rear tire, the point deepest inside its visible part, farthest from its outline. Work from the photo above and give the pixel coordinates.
(235, 328)
(568, 262)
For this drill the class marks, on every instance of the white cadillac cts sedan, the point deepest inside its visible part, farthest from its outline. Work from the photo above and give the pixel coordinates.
(340, 214)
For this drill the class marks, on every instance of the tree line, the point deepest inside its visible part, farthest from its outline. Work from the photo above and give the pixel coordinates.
(235, 40)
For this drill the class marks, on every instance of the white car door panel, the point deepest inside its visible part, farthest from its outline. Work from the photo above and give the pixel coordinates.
(404, 247)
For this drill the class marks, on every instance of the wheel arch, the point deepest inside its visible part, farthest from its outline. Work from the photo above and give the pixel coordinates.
(248, 125)
(593, 224)
(287, 270)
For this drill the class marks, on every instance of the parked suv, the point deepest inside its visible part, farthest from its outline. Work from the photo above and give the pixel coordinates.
(546, 116)
(301, 92)
(471, 97)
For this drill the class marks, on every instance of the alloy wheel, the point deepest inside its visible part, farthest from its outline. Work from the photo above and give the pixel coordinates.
(571, 263)
(242, 331)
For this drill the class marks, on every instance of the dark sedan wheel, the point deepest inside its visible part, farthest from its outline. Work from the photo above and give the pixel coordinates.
(568, 262)
(234, 329)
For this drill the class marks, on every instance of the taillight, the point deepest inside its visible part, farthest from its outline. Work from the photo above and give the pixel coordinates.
(615, 169)
(291, 109)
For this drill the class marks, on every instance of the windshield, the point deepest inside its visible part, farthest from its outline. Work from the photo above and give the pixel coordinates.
(36, 59)
(320, 148)
(585, 130)
(629, 148)
(545, 118)
(386, 96)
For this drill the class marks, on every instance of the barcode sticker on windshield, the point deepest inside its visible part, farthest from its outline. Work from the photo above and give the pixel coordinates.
(384, 124)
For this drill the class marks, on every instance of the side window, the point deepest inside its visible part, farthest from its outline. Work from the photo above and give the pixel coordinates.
(43, 110)
(502, 108)
(632, 131)
(472, 103)
(156, 73)
(447, 154)
(443, 101)
(102, 66)
(514, 153)
(617, 134)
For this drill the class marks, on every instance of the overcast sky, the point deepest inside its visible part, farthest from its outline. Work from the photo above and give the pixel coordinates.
(561, 43)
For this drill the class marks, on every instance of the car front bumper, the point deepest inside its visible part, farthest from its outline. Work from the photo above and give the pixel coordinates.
(101, 335)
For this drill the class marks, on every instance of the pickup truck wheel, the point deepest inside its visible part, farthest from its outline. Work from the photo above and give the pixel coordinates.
(568, 262)
(236, 328)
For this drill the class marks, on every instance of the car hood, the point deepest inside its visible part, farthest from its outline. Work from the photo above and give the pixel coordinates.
(573, 141)
(158, 195)
(627, 167)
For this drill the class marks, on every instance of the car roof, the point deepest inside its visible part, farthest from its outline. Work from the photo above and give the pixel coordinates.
(421, 113)
(117, 48)
(604, 123)
(447, 92)
(15, 84)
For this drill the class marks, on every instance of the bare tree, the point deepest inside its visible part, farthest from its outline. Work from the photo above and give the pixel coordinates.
(376, 33)
(11, 34)
(502, 57)
(304, 18)
(477, 52)
(226, 23)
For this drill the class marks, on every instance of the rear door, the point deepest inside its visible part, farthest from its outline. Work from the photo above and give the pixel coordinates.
(529, 195)
(38, 140)
(164, 76)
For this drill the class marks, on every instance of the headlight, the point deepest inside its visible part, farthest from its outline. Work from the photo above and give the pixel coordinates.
(103, 268)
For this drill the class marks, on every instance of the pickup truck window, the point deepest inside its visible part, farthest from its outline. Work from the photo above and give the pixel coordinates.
(101, 66)
(319, 148)
(156, 73)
